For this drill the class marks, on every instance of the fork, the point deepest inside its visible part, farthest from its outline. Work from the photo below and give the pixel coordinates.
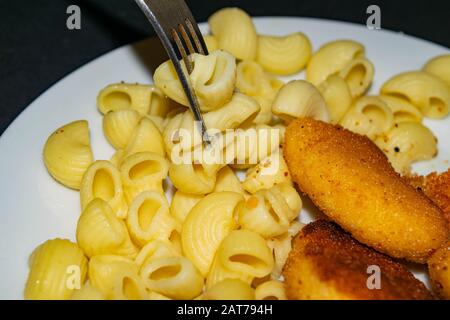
(179, 33)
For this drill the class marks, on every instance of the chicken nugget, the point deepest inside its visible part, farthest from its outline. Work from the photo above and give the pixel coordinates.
(439, 269)
(436, 186)
(326, 263)
(352, 182)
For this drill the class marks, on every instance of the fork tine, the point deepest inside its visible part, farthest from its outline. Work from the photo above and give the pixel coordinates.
(199, 42)
(182, 51)
(186, 39)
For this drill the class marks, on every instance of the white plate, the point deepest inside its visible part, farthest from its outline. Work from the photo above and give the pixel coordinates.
(35, 208)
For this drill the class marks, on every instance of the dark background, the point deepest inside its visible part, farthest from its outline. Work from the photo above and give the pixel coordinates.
(36, 48)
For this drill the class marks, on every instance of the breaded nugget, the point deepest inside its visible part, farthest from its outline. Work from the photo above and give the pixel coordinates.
(436, 186)
(439, 269)
(327, 263)
(352, 182)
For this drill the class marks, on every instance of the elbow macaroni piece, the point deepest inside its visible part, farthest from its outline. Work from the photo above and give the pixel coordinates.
(265, 99)
(178, 128)
(273, 85)
(239, 109)
(193, 178)
(143, 171)
(174, 111)
(298, 99)
(368, 116)
(230, 289)
(211, 42)
(117, 158)
(287, 191)
(67, 153)
(406, 143)
(254, 144)
(116, 278)
(440, 67)
(156, 296)
(269, 212)
(99, 231)
(358, 74)
(425, 91)
(402, 109)
(181, 135)
(264, 115)
(120, 96)
(228, 181)
(102, 180)
(155, 249)
(57, 267)
(284, 55)
(331, 58)
(175, 277)
(247, 252)
(146, 137)
(175, 238)
(160, 105)
(183, 141)
(269, 172)
(159, 122)
(270, 290)
(213, 79)
(281, 246)
(149, 218)
(337, 96)
(118, 126)
(218, 273)
(235, 32)
(206, 225)
(162, 121)
(166, 78)
(87, 292)
(250, 77)
(252, 80)
(182, 203)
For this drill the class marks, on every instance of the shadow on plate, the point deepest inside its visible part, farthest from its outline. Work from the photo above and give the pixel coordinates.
(150, 52)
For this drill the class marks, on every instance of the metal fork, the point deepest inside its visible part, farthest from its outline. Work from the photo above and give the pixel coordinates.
(176, 28)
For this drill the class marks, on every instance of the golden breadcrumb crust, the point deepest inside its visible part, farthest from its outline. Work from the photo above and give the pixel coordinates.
(436, 186)
(439, 269)
(352, 182)
(327, 263)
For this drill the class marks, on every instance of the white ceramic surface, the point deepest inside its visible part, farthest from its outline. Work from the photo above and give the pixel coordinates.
(35, 208)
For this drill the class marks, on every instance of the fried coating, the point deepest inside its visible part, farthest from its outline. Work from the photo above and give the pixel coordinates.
(328, 264)
(436, 186)
(352, 182)
(439, 270)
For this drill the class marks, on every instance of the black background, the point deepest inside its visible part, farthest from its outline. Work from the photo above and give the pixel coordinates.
(36, 48)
